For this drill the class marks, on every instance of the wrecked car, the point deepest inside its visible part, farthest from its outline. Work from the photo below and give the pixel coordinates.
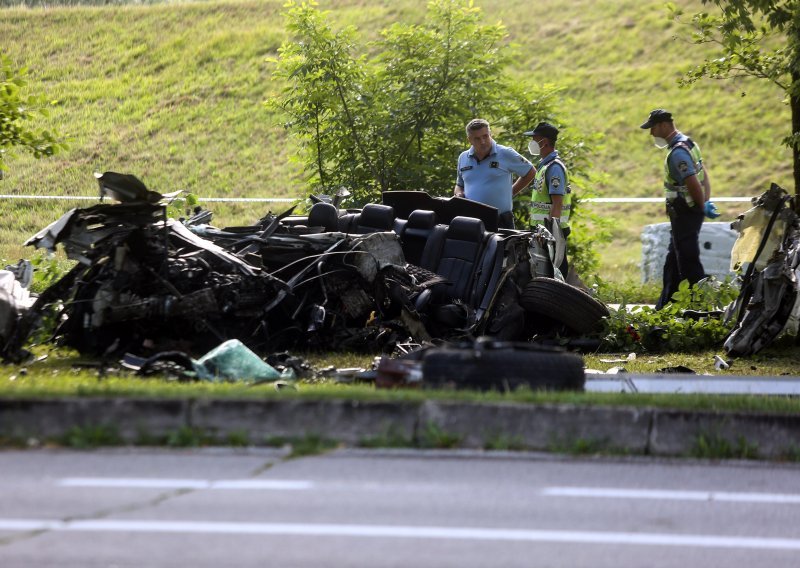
(767, 256)
(413, 267)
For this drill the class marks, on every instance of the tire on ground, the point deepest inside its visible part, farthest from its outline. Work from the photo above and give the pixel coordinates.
(503, 368)
(564, 303)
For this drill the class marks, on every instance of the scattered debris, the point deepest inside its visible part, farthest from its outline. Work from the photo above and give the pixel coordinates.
(229, 361)
(721, 364)
(15, 299)
(679, 369)
(394, 373)
(628, 359)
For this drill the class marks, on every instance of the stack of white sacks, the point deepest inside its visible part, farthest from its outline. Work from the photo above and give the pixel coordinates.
(716, 243)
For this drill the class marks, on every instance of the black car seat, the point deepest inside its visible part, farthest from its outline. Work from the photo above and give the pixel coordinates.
(457, 261)
(488, 271)
(415, 234)
(324, 215)
(347, 222)
(375, 218)
(372, 218)
(459, 258)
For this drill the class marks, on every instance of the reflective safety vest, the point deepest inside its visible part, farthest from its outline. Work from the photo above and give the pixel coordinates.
(671, 187)
(541, 200)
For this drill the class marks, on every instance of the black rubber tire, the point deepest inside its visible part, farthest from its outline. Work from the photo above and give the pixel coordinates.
(564, 303)
(503, 368)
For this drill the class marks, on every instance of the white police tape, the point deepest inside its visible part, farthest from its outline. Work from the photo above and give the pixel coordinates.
(658, 199)
(293, 199)
(209, 199)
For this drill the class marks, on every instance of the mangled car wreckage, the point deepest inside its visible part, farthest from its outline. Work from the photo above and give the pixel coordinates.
(767, 256)
(410, 269)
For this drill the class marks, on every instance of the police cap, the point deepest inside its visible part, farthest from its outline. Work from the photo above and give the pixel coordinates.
(656, 116)
(544, 129)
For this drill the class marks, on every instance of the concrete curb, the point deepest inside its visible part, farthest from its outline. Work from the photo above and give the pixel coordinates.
(559, 428)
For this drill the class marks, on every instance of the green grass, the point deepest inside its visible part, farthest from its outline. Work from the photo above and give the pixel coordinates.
(781, 359)
(310, 445)
(716, 446)
(172, 93)
(91, 437)
(57, 377)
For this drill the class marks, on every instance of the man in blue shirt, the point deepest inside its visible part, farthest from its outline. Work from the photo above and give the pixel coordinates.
(485, 172)
(688, 192)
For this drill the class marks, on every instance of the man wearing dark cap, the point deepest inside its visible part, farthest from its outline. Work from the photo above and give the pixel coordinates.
(551, 201)
(688, 193)
(485, 172)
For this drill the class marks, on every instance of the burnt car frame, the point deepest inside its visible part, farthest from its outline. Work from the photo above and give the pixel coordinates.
(414, 268)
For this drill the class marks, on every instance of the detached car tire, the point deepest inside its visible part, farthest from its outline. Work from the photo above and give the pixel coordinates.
(564, 303)
(502, 366)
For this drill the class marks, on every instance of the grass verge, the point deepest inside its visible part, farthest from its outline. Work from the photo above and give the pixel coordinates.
(56, 377)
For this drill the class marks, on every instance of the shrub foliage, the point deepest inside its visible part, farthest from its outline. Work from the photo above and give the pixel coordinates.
(390, 115)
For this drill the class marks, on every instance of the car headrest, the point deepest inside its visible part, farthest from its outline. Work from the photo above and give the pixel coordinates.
(324, 215)
(377, 216)
(421, 219)
(466, 229)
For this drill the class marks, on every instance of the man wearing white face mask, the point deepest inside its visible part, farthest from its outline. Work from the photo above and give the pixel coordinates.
(688, 194)
(551, 201)
(485, 171)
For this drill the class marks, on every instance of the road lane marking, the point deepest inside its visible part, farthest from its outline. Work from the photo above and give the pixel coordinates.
(389, 531)
(668, 495)
(156, 483)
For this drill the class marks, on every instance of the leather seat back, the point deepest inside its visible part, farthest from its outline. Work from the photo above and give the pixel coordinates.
(489, 271)
(324, 215)
(415, 233)
(375, 218)
(347, 222)
(460, 256)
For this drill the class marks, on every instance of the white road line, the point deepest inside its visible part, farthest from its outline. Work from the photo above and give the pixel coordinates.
(156, 483)
(662, 494)
(388, 531)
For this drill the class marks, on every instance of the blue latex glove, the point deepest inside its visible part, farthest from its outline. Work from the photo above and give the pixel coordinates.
(711, 210)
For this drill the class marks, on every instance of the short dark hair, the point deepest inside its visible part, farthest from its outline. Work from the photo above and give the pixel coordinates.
(477, 124)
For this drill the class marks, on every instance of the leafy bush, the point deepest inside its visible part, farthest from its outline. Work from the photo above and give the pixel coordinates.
(626, 291)
(182, 205)
(668, 329)
(16, 108)
(47, 269)
(393, 118)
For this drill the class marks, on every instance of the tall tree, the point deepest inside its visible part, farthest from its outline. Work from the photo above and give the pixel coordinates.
(756, 38)
(391, 114)
(394, 118)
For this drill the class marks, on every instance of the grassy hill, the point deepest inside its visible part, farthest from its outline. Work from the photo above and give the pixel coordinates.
(172, 93)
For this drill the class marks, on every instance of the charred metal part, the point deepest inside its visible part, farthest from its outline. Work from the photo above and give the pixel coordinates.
(125, 188)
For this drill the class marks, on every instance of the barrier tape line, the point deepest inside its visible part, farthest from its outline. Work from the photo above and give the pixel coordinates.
(292, 200)
(209, 199)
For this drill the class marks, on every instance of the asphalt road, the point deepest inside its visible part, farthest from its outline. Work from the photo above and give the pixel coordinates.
(215, 508)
